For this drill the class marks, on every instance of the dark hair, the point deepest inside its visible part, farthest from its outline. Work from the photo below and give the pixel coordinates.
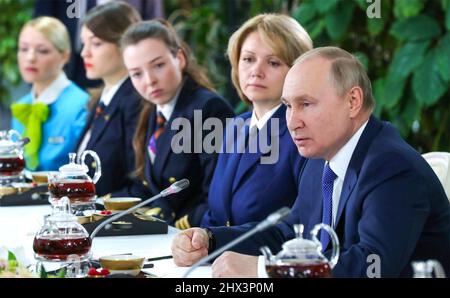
(162, 30)
(110, 20)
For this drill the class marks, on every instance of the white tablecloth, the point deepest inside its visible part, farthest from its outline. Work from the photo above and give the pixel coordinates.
(18, 225)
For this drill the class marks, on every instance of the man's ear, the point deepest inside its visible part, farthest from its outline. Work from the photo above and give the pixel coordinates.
(355, 100)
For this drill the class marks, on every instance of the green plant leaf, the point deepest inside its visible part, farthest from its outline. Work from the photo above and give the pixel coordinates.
(408, 58)
(447, 17)
(324, 6)
(445, 4)
(42, 272)
(338, 19)
(443, 57)
(305, 12)
(362, 57)
(427, 83)
(362, 4)
(379, 95)
(375, 25)
(11, 256)
(61, 273)
(393, 90)
(315, 28)
(407, 8)
(415, 28)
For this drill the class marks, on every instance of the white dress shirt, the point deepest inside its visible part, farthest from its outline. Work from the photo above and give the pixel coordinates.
(50, 94)
(259, 123)
(339, 164)
(106, 97)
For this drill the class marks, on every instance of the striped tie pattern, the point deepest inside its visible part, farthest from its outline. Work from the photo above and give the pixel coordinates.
(159, 129)
(328, 178)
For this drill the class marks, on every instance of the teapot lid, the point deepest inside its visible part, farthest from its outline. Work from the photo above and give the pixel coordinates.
(72, 167)
(6, 145)
(62, 212)
(299, 243)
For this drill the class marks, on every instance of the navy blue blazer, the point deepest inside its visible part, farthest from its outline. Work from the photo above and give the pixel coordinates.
(111, 138)
(245, 190)
(392, 204)
(169, 166)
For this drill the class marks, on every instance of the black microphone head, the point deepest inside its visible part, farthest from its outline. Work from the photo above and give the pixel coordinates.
(25, 140)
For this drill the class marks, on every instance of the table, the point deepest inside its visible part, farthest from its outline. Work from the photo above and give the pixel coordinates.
(18, 225)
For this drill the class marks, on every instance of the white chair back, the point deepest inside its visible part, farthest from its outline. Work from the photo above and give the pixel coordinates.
(440, 163)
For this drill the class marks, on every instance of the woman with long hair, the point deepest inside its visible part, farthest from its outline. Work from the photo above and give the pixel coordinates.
(115, 107)
(174, 87)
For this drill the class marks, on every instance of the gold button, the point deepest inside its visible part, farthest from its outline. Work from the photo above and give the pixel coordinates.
(93, 165)
(172, 180)
(228, 223)
(145, 183)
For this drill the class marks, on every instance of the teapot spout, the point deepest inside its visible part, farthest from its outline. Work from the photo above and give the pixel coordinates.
(267, 254)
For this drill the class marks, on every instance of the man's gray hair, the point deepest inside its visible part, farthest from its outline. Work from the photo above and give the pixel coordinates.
(346, 72)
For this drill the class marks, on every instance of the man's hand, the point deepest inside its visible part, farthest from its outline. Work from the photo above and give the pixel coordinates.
(231, 264)
(189, 246)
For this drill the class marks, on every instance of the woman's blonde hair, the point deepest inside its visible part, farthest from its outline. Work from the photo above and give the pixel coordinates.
(54, 30)
(282, 34)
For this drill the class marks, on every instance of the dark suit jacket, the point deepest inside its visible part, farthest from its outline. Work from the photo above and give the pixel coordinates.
(111, 138)
(392, 204)
(245, 190)
(169, 166)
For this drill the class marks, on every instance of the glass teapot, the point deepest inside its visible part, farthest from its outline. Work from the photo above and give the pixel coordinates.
(301, 257)
(73, 181)
(11, 154)
(62, 238)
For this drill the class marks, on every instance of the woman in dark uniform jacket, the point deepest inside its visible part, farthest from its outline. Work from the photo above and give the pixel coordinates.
(245, 187)
(165, 73)
(114, 113)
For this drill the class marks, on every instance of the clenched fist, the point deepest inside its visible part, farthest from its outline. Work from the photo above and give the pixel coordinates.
(189, 246)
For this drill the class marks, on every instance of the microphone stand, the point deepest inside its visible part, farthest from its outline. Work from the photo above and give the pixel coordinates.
(269, 221)
(174, 188)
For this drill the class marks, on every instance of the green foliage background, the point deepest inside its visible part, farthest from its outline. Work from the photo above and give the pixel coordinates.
(406, 51)
(13, 14)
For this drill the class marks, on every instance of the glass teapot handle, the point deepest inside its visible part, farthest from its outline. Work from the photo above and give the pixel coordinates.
(98, 169)
(438, 270)
(12, 133)
(335, 241)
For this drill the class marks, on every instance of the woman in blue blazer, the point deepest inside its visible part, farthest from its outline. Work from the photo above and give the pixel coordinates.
(54, 113)
(114, 113)
(176, 91)
(244, 188)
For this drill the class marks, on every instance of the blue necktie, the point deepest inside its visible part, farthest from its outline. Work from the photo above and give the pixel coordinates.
(327, 210)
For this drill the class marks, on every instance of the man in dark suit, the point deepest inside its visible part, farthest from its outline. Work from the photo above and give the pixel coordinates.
(377, 192)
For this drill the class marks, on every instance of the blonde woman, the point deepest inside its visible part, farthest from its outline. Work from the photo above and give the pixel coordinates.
(243, 188)
(54, 113)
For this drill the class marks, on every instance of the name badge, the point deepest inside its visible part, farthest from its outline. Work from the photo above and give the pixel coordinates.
(56, 140)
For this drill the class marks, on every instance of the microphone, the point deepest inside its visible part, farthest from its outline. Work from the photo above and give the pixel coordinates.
(269, 221)
(172, 189)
